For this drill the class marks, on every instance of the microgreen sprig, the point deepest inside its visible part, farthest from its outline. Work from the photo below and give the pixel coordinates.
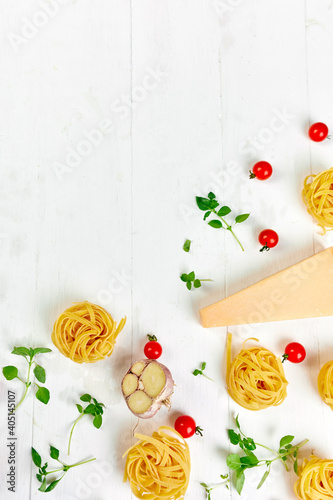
(187, 246)
(239, 463)
(210, 487)
(43, 472)
(93, 408)
(190, 280)
(209, 206)
(11, 372)
(201, 371)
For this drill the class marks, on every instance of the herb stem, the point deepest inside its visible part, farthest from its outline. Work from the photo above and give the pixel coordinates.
(81, 463)
(229, 228)
(207, 377)
(27, 385)
(71, 434)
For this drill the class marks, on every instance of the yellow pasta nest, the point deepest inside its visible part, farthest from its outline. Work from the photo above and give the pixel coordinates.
(255, 378)
(86, 333)
(318, 197)
(158, 467)
(325, 384)
(315, 480)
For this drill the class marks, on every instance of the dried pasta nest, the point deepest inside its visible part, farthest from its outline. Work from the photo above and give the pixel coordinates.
(325, 383)
(86, 333)
(315, 480)
(318, 197)
(158, 467)
(255, 378)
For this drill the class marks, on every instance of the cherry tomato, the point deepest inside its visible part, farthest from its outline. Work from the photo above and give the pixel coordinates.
(294, 352)
(318, 132)
(187, 427)
(153, 349)
(261, 170)
(268, 238)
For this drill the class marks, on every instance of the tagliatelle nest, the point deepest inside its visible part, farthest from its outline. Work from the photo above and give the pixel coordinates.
(158, 467)
(86, 333)
(318, 197)
(255, 377)
(325, 384)
(315, 480)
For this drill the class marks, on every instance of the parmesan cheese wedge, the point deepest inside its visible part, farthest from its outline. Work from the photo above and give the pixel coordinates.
(304, 290)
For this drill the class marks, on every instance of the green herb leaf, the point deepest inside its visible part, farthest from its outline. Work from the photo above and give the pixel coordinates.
(79, 407)
(54, 453)
(86, 398)
(203, 203)
(40, 374)
(203, 365)
(263, 479)
(189, 285)
(211, 196)
(10, 372)
(21, 351)
(39, 478)
(233, 461)
(191, 276)
(224, 211)
(225, 476)
(97, 421)
(207, 214)
(43, 395)
(184, 277)
(36, 458)
(234, 438)
(187, 246)
(41, 350)
(249, 444)
(240, 481)
(286, 440)
(237, 422)
(52, 485)
(197, 283)
(217, 224)
(241, 218)
(296, 467)
(196, 372)
(204, 485)
(250, 460)
(90, 410)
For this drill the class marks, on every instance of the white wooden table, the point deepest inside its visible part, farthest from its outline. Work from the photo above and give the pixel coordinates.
(114, 115)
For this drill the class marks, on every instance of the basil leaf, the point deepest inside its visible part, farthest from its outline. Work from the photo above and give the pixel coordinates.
(233, 461)
(97, 421)
(286, 440)
(54, 453)
(217, 224)
(86, 398)
(36, 458)
(241, 218)
(10, 372)
(43, 395)
(21, 351)
(187, 246)
(234, 438)
(203, 203)
(40, 374)
(224, 211)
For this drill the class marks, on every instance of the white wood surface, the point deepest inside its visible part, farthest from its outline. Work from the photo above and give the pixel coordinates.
(187, 91)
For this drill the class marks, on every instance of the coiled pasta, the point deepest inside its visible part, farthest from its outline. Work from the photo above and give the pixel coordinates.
(86, 333)
(158, 467)
(255, 378)
(325, 383)
(315, 480)
(318, 197)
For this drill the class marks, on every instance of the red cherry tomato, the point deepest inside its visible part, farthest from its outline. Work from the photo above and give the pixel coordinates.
(153, 349)
(268, 239)
(261, 170)
(186, 426)
(318, 132)
(294, 352)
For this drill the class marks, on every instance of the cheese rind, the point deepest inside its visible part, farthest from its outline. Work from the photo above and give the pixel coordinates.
(304, 290)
